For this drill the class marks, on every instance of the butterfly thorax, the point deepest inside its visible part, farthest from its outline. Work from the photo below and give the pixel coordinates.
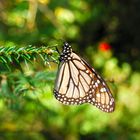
(66, 53)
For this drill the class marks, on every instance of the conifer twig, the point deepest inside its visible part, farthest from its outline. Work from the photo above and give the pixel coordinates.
(13, 55)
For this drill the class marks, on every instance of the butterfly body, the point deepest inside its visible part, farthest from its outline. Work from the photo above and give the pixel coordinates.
(78, 83)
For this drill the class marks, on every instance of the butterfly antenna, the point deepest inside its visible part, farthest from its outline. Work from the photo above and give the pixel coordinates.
(64, 42)
(57, 50)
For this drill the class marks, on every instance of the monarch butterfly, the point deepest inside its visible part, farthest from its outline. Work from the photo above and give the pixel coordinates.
(77, 83)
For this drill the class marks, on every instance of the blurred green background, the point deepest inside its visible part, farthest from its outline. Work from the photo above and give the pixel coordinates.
(106, 34)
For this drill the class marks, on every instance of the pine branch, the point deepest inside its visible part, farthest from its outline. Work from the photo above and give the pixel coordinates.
(12, 56)
(17, 82)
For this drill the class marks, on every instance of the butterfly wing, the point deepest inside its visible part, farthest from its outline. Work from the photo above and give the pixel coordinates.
(71, 86)
(101, 95)
(78, 83)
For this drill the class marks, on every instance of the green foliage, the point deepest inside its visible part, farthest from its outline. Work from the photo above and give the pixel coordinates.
(12, 56)
(27, 72)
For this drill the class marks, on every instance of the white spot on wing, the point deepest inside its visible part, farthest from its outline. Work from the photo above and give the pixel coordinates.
(93, 99)
(103, 89)
(96, 84)
(98, 95)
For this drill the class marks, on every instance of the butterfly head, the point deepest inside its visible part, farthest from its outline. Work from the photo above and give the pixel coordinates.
(65, 55)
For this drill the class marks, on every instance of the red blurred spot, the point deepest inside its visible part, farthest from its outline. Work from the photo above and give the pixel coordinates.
(104, 46)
